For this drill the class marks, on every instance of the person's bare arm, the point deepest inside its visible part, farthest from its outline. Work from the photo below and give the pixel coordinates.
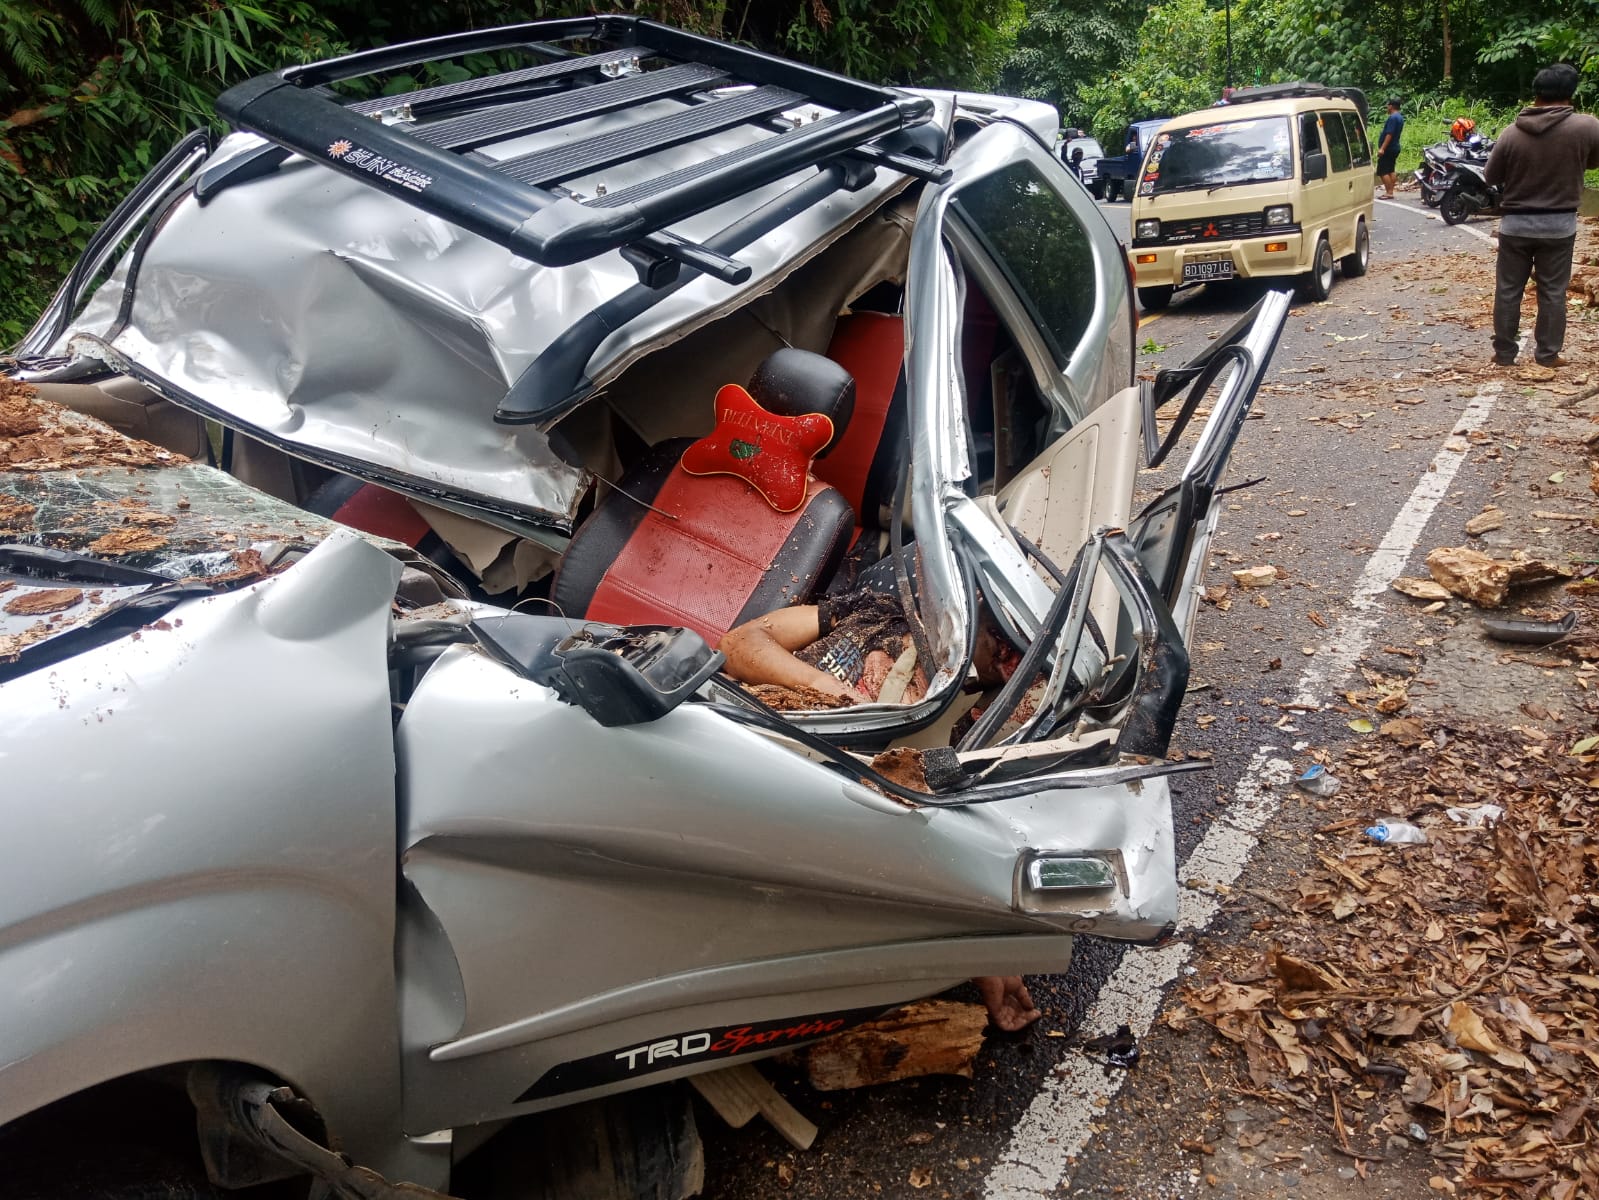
(762, 651)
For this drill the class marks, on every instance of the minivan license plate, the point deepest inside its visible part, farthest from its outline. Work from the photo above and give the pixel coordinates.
(1202, 272)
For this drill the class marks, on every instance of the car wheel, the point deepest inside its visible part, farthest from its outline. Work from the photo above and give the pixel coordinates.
(1354, 265)
(1154, 299)
(1316, 284)
(1113, 190)
(1096, 190)
(1453, 208)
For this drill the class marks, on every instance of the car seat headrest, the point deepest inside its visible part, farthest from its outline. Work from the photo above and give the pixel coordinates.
(795, 383)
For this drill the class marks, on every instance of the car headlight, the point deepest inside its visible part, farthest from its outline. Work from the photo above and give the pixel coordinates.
(1280, 214)
(1147, 229)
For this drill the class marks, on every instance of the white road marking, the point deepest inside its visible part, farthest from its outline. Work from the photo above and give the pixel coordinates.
(1352, 634)
(1390, 205)
(1063, 1116)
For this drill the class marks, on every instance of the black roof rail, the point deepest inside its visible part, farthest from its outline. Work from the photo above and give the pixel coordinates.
(1289, 91)
(420, 146)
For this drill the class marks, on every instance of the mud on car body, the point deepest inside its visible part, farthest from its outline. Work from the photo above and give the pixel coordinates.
(374, 869)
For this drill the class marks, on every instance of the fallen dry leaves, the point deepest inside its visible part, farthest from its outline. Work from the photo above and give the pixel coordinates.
(38, 435)
(1452, 985)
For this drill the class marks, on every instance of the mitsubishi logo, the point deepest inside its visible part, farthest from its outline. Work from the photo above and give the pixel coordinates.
(1210, 230)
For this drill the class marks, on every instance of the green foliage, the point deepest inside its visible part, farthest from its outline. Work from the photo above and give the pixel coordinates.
(958, 43)
(1427, 47)
(1328, 43)
(1431, 52)
(1065, 45)
(1180, 64)
(1428, 123)
(1533, 31)
(95, 91)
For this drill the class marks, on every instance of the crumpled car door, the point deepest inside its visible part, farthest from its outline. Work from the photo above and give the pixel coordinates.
(1173, 531)
(1131, 677)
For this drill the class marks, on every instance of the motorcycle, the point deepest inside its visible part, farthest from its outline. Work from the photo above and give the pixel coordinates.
(1432, 176)
(1466, 192)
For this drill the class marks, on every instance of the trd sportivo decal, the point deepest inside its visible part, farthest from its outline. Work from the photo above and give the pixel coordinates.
(699, 1045)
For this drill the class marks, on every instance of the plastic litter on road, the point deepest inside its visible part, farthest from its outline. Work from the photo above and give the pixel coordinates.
(1318, 781)
(1398, 833)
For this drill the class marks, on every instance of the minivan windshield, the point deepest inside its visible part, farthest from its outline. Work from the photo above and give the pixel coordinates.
(1212, 156)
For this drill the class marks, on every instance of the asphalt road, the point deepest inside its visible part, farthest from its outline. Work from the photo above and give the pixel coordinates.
(1327, 502)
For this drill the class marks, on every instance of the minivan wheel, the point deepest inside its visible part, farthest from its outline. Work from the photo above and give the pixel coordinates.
(1155, 299)
(1354, 265)
(1317, 282)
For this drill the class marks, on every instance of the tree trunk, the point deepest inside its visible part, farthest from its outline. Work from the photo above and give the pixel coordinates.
(1449, 43)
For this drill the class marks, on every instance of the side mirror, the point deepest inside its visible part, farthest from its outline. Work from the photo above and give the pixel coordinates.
(631, 675)
(1315, 167)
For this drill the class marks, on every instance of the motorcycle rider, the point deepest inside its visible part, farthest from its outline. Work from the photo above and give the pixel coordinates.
(1388, 148)
(1538, 165)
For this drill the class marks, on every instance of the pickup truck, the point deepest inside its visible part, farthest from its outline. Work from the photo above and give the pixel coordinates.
(1118, 173)
(376, 805)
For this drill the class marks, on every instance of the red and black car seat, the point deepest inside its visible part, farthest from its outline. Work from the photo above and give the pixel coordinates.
(869, 457)
(708, 552)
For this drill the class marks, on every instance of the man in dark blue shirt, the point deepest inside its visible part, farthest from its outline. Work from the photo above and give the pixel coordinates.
(1388, 148)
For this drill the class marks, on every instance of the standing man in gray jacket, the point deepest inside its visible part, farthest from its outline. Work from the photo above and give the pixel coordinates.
(1537, 164)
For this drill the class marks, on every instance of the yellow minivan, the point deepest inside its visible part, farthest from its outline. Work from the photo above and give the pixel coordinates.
(1276, 182)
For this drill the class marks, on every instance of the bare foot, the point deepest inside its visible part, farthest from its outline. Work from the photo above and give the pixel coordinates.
(1009, 1005)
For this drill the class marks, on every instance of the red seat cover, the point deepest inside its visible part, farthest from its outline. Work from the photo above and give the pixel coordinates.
(700, 569)
(383, 513)
(871, 347)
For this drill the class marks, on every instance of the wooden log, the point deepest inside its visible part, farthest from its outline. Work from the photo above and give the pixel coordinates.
(738, 1093)
(930, 1037)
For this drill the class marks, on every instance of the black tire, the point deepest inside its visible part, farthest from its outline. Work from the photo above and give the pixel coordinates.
(1454, 209)
(1096, 190)
(132, 1139)
(1316, 283)
(1155, 299)
(1429, 196)
(1354, 265)
(1113, 190)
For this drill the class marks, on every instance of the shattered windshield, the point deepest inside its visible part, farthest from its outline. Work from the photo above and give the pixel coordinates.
(1210, 156)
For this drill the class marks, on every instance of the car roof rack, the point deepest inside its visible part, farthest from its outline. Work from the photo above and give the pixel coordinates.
(420, 146)
(1290, 91)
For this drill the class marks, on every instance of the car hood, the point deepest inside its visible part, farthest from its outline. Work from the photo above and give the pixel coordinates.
(345, 326)
(1212, 201)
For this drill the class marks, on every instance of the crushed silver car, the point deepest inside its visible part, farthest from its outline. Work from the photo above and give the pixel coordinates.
(376, 775)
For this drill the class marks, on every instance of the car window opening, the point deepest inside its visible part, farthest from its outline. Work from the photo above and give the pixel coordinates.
(834, 630)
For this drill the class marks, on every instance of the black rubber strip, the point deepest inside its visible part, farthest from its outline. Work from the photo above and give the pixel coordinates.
(506, 79)
(478, 128)
(551, 166)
